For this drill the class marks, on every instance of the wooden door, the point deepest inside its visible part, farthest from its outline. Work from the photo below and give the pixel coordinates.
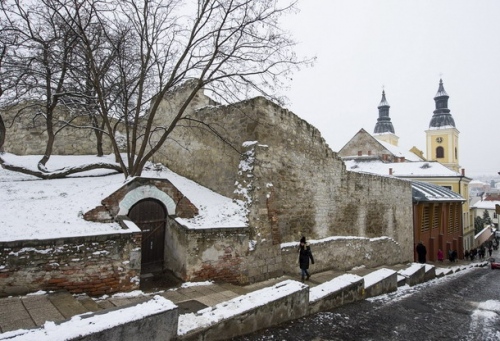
(150, 215)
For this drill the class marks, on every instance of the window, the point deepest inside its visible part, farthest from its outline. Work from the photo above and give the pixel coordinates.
(435, 217)
(439, 152)
(360, 153)
(425, 219)
(454, 219)
(447, 187)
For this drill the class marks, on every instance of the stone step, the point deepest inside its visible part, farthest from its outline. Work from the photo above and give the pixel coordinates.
(66, 304)
(33, 311)
(88, 303)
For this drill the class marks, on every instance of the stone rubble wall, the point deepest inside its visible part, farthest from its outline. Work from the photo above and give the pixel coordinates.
(26, 135)
(218, 254)
(95, 265)
(293, 183)
(344, 254)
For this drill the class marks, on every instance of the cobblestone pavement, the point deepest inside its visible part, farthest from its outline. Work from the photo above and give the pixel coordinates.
(452, 308)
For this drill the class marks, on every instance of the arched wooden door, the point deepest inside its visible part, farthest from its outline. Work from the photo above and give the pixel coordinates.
(150, 215)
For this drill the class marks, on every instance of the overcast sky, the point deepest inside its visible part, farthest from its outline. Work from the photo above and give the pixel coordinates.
(405, 47)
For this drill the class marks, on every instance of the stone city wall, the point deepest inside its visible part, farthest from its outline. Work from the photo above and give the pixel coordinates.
(95, 265)
(344, 254)
(26, 135)
(293, 183)
(217, 254)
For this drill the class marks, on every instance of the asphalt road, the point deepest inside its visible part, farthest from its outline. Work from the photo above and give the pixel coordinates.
(463, 306)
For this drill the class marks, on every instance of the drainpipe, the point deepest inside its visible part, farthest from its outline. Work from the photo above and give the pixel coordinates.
(460, 192)
(460, 182)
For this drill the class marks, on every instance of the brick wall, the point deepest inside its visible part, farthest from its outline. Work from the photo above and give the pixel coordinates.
(95, 265)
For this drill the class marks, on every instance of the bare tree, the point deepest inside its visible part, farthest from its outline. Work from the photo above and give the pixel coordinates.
(39, 53)
(231, 48)
(131, 54)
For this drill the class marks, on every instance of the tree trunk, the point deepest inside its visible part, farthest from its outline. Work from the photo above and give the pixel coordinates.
(3, 132)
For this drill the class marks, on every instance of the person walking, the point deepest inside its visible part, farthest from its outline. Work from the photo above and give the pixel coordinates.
(421, 252)
(440, 255)
(305, 254)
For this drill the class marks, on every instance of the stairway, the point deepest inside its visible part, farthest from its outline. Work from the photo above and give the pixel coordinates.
(33, 311)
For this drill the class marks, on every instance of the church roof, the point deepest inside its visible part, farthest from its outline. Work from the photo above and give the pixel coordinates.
(383, 101)
(419, 169)
(400, 152)
(441, 92)
(441, 119)
(384, 124)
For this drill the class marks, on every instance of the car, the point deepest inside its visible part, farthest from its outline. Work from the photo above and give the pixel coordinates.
(494, 265)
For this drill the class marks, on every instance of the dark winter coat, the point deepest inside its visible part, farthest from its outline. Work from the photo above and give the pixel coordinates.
(304, 255)
(421, 252)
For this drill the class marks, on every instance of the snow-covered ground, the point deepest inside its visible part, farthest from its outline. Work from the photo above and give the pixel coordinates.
(31, 208)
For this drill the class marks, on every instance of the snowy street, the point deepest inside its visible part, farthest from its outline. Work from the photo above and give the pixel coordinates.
(464, 306)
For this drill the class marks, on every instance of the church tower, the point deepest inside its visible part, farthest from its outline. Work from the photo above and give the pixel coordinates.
(442, 136)
(384, 131)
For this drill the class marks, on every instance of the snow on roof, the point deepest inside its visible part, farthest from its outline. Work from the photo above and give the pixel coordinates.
(442, 127)
(400, 152)
(477, 182)
(401, 169)
(42, 209)
(424, 191)
(486, 204)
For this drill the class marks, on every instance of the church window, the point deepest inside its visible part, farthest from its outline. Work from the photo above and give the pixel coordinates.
(456, 154)
(439, 152)
(360, 153)
(369, 152)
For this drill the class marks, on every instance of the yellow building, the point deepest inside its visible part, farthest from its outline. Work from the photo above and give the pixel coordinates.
(442, 135)
(442, 144)
(380, 154)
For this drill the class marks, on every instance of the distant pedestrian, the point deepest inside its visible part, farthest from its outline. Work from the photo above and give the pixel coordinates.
(472, 254)
(305, 254)
(490, 250)
(482, 252)
(440, 255)
(454, 255)
(466, 254)
(421, 252)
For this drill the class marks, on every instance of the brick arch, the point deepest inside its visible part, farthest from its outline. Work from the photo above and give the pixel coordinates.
(145, 192)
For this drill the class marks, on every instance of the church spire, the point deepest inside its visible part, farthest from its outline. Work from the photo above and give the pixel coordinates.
(384, 124)
(441, 117)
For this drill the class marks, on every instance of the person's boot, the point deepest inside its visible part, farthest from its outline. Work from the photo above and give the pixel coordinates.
(308, 276)
(302, 278)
